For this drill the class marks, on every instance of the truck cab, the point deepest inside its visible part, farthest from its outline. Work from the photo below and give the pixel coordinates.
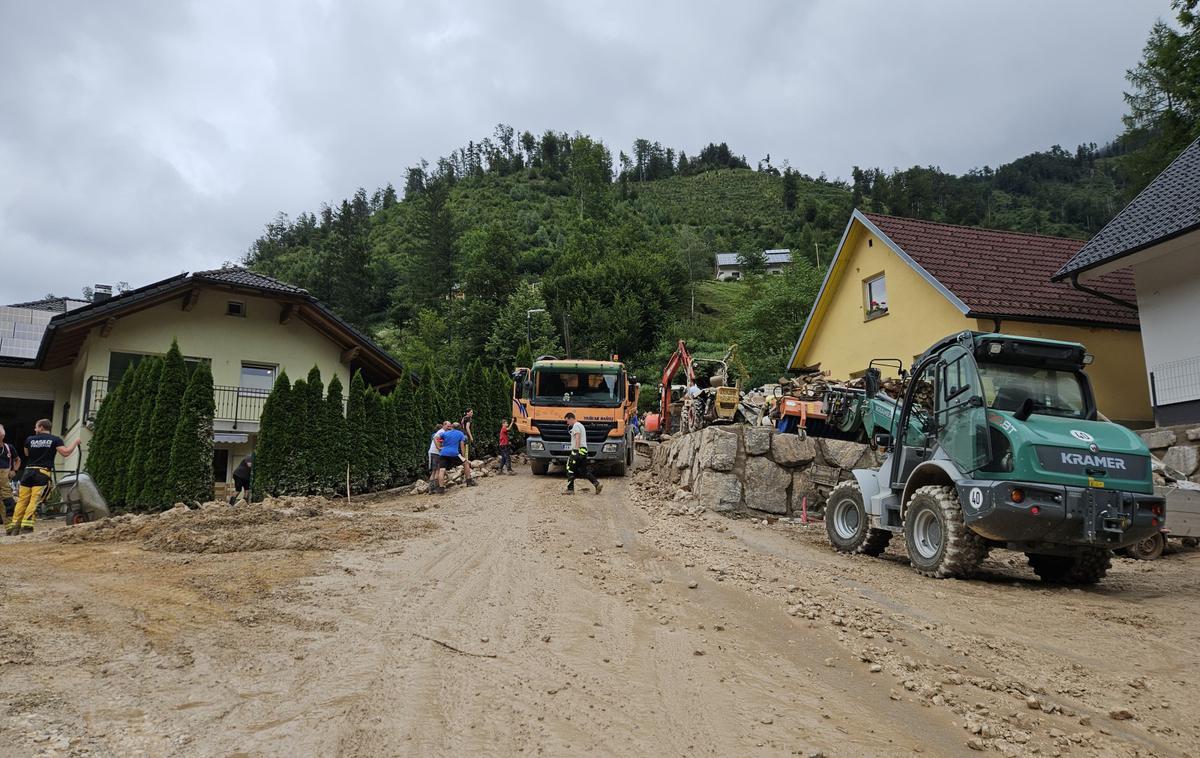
(601, 394)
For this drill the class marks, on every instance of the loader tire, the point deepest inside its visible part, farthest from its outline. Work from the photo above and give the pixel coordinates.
(539, 468)
(1088, 566)
(847, 524)
(939, 542)
(1149, 549)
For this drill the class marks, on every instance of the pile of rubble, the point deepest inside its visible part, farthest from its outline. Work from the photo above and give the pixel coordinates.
(480, 469)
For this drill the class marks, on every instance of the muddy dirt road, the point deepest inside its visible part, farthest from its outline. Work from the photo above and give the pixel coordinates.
(508, 619)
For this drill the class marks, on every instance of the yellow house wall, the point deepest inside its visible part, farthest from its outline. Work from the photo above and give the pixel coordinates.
(1118, 371)
(844, 342)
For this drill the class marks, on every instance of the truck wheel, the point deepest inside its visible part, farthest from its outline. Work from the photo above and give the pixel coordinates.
(847, 524)
(939, 543)
(1149, 549)
(619, 469)
(1088, 566)
(539, 468)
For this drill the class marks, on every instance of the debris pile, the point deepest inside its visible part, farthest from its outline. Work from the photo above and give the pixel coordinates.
(286, 523)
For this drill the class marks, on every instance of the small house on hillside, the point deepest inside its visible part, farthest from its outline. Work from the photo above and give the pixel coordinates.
(729, 265)
(1157, 239)
(897, 285)
(60, 363)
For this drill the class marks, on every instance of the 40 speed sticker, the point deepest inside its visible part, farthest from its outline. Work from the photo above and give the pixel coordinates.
(975, 498)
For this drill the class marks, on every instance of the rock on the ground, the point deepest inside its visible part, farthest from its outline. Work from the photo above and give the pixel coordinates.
(1158, 439)
(790, 450)
(1183, 458)
(420, 488)
(719, 449)
(767, 486)
(1194, 434)
(840, 453)
(718, 491)
(758, 440)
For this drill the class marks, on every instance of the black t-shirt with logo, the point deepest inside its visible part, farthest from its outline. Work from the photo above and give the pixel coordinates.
(42, 449)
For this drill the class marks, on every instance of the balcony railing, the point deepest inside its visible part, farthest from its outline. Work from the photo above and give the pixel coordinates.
(233, 404)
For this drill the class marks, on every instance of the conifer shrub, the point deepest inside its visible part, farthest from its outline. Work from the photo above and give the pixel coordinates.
(191, 472)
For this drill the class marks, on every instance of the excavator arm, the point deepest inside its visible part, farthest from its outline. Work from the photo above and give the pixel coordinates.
(680, 358)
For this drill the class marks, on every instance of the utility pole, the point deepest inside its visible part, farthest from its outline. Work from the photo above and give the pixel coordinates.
(817, 248)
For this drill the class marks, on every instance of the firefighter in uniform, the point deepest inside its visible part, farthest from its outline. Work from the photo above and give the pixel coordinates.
(577, 461)
(40, 449)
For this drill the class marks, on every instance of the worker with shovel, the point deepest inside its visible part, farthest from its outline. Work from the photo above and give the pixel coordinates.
(40, 449)
(577, 462)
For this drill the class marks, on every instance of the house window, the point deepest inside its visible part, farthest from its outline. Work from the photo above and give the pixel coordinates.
(257, 379)
(235, 308)
(875, 297)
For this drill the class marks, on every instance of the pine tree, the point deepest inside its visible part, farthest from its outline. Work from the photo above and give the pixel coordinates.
(191, 471)
(102, 450)
(375, 439)
(310, 441)
(357, 434)
(124, 435)
(271, 450)
(333, 445)
(171, 385)
(138, 470)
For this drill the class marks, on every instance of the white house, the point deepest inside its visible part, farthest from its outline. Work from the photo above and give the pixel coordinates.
(1158, 236)
(729, 268)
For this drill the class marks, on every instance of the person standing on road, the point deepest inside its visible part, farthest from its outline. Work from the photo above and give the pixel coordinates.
(10, 462)
(241, 479)
(40, 448)
(505, 446)
(577, 461)
(465, 424)
(451, 452)
(435, 457)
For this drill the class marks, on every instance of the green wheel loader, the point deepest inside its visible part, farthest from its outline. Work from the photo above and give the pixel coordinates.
(1003, 448)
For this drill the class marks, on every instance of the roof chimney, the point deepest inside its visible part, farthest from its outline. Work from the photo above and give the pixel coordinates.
(101, 292)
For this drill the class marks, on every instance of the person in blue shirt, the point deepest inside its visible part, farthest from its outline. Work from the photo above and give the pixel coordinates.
(452, 455)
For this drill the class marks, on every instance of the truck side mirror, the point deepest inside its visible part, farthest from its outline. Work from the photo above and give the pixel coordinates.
(871, 380)
(883, 441)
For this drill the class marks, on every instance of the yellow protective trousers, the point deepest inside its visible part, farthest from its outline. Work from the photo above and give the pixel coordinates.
(27, 502)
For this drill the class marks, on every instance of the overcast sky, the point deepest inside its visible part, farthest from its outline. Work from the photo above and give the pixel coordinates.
(142, 139)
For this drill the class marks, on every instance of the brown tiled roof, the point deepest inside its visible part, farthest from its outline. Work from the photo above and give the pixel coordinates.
(1007, 274)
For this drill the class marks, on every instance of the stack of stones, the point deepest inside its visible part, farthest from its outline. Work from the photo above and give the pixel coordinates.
(1178, 448)
(754, 470)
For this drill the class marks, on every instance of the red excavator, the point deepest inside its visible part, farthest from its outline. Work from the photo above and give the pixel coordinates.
(709, 407)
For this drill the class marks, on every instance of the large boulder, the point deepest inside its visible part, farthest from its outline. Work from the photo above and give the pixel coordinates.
(803, 487)
(718, 449)
(790, 450)
(718, 491)
(840, 453)
(683, 457)
(1183, 458)
(758, 440)
(767, 486)
(1157, 439)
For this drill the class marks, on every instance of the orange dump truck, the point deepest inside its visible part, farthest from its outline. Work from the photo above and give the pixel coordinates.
(601, 394)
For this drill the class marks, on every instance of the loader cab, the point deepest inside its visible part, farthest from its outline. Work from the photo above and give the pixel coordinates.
(943, 406)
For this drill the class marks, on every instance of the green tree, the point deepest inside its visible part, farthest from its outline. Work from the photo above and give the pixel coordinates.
(191, 470)
(156, 491)
(753, 262)
(333, 442)
(767, 318)
(104, 449)
(1164, 103)
(125, 429)
(791, 187)
(311, 442)
(140, 467)
(274, 441)
(697, 262)
(590, 176)
(358, 434)
(516, 327)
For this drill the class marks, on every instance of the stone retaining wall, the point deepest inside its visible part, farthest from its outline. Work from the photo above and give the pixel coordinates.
(1178, 447)
(753, 470)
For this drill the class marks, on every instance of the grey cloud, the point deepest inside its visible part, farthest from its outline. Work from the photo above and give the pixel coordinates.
(140, 139)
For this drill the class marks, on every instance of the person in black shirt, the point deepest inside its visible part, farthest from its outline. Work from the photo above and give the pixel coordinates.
(241, 479)
(10, 462)
(40, 449)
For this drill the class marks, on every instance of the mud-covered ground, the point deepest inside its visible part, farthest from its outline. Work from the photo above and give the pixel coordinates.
(509, 619)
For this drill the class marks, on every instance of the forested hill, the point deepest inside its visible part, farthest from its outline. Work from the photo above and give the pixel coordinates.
(523, 243)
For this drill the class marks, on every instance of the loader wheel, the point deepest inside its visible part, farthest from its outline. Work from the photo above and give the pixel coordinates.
(939, 543)
(539, 468)
(1149, 549)
(847, 525)
(1088, 566)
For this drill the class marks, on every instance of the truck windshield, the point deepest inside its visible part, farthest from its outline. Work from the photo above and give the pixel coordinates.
(578, 388)
(1054, 392)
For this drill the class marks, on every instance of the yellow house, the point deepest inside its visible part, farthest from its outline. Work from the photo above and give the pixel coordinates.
(897, 285)
(59, 358)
